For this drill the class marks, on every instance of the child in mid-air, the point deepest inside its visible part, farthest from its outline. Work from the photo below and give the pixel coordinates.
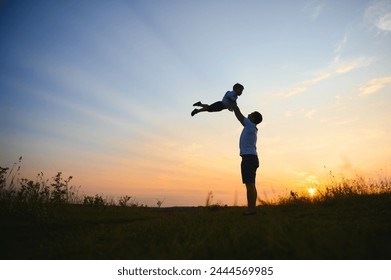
(228, 101)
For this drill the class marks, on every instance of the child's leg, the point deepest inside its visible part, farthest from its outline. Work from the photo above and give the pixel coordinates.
(200, 104)
(216, 107)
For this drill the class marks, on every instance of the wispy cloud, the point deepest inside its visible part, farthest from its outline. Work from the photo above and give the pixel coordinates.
(293, 91)
(374, 85)
(289, 114)
(379, 15)
(384, 23)
(338, 49)
(309, 113)
(336, 69)
(305, 177)
(314, 9)
(348, 66)
(317, 79)
(345, 68)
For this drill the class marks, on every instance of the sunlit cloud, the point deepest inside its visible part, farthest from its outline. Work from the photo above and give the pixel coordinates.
(314, 8)
(337, 67)
(312, 179)
(309, 113)
(318, 78)
(289, 114)
(379, 15)
(341, 122)
(338, 49)
(348, 66)
(293, 91)
(374, 85)
(384, 23)
(342, 67)
(304, 177)
(345, 68)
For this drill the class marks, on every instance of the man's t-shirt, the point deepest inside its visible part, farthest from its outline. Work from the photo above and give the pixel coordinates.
(248, 138)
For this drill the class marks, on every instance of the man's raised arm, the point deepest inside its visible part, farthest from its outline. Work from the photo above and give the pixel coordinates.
(238, 114)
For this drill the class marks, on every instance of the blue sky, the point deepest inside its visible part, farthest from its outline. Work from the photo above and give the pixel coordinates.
(103, 91)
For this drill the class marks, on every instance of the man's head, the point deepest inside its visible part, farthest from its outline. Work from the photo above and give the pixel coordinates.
(238, 88)
(255, 117)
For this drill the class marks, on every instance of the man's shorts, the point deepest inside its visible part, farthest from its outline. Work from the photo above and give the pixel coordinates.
(249, 166)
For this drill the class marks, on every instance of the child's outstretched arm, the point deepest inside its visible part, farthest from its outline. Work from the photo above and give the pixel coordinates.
(238, 114)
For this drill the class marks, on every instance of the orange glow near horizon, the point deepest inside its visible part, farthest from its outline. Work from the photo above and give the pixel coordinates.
(186, 183)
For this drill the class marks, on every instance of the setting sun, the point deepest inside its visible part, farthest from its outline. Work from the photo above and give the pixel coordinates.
(311, 191)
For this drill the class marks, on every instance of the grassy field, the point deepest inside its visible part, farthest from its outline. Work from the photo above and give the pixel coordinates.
(355, 227)
(42, 219)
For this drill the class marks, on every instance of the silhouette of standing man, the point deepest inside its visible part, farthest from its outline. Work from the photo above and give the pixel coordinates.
(248, 152)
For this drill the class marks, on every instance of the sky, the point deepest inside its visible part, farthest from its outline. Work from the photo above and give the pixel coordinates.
(103, 90)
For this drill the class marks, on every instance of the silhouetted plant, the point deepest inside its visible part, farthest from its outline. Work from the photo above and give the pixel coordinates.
(123, 200)
(5, 193)
(3, 181)
(3, 173)
(209, 199)
(96, 200)
(159, 203)
(7, 174)
(7, 187)
(60, 189)
(34, 192)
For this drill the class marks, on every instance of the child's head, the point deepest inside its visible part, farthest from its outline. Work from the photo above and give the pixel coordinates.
(255, 117)
(238, 88)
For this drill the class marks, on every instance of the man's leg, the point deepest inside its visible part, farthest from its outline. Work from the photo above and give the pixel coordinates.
(251, 197)
(249, 168)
